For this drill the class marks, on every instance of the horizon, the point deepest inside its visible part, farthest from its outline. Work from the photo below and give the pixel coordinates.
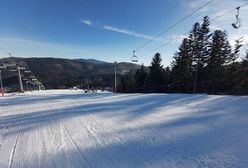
(100, 31)
(85, 59)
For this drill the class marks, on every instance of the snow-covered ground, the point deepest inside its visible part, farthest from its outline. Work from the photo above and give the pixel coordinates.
(71, 129)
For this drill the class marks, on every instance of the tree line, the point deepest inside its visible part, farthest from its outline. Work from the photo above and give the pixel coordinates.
(204, 63)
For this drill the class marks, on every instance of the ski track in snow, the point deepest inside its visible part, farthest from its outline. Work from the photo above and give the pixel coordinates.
(75, 145)
(12, 154)
(65, 128)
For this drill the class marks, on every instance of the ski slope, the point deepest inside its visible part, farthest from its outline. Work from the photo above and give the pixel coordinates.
(67, 128)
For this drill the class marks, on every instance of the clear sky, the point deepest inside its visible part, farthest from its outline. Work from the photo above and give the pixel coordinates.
(107, 30)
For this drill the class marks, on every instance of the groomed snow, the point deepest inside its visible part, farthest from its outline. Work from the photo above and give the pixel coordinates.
(67, 128)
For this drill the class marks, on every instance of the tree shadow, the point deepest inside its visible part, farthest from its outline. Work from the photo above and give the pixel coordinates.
(136, 105)
(53, 113)
(201, 140)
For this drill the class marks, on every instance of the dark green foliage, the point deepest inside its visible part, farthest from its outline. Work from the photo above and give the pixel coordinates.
(127, 83)
(152, 79)
(204, 40)
(204, 50)
(204, 63)
(244, 75)
(234, 56)
(156, 74)
(207, 61)
(140, 78)
(219, 56)
(181, 73)
(193, 55)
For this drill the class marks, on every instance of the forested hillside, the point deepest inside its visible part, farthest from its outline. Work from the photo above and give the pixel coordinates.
(64, 73)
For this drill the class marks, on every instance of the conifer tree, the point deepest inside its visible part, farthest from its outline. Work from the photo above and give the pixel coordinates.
(245, 60)
(167, 77)
(182, 67)
(234, 56)
(140, 78)
(194, 37)
(127, 83)
(200, 37)
(233, 71)
(219, 56)
(244, 66)
(156, 73)
(204, 41)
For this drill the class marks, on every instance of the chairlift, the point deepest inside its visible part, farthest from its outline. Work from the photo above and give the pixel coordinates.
(28, 81)
(37, 82)
(12, 70)
(134, 57)
(10, 64)
(27, 71)
(237, 24)
(2, 66)
(22, 68)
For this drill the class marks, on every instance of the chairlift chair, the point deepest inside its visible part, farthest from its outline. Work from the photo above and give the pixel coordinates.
(22, 68)
(28, 81)
(237, 24)
(12, 70)
(27, 71)
(134, 57)
(38, 82)
(10, 65)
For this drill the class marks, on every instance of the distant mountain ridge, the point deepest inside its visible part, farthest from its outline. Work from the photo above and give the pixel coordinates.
(93, 61)
(64, 73)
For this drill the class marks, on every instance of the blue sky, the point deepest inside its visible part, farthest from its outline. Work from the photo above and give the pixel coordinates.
(105, 29)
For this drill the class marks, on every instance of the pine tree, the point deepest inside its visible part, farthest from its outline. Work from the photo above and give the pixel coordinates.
(131, 82)
(244, 66)
(214, 59)
(140, 78)
(167, 77)
(196, 51)
(233, 71)
(200, 43)
(182, 67)
(127, 83)
(205, 43)
(219, 56)
(123, 84)
(234, 56)
(195, 43)
(245, 60)
(156, 74)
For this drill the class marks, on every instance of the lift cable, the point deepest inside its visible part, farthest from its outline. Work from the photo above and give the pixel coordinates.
(228, 12)
(169, 28)
(134, 58)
